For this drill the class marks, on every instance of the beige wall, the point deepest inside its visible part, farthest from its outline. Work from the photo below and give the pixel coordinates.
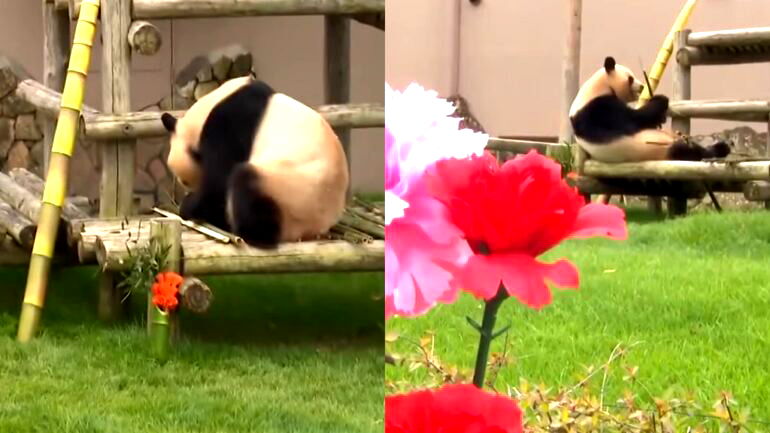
(510, 52)
(288, 53)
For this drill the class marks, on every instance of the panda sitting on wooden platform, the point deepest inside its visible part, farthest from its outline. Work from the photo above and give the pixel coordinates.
(609, 130)
(259, 164)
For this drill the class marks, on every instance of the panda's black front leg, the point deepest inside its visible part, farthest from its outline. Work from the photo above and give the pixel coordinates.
(207, 208)
(654, 113)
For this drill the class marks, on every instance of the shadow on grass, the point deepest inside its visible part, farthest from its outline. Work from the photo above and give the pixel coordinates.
(247, 309)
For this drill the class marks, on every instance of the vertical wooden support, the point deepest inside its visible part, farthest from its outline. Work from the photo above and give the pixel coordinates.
(570, 68)
(168, 233)
(767, 153)
(56, 51)
(682, 91)
(337, 71)
(118, 158)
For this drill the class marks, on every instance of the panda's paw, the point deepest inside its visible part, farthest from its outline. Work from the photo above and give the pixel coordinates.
(720, 150)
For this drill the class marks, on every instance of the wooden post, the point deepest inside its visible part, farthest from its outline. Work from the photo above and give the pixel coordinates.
(168, 233)
(337, 71)
(118, 158)
(767, 152)
(56, 51)
(682, 91)
(570, 68)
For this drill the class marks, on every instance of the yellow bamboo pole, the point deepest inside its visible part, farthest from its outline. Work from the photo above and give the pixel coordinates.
(58, 171)
(664, 54)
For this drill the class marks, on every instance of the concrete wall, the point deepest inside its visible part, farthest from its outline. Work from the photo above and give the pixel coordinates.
(288, 53)
(505, 57)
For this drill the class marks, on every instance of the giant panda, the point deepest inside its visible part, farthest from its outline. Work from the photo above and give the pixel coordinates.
(258, 163)
(609, 130)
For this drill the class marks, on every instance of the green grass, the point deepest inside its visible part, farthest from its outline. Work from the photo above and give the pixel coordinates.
(693, 292)
(274, 354)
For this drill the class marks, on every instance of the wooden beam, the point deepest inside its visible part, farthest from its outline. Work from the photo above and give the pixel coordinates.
(375, 20)
(730, 38)
(46, 100)
(337, 72)
(520, 146)
(737, 110)
(682, 170)
(677, 205)
(694, 56)
(166, 9)
(570, 68)
(147, 124)
(118, 157)
(56, 49)
(211, 257)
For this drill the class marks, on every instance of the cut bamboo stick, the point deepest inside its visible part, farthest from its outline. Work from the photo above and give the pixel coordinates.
(148, 124)
(211, 257)
(683, 170)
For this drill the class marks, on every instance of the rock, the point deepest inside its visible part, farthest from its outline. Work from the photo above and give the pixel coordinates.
(36, 151)
(27, 129)
(157, 169)
(241, 65)
(6, 136)
(10, 75)
(186, 78)
(202, 89)
(175, 102)
(205, 74)
(13, 106)
(221, 68)
(18, 156)
(187, 90)
(144, 183)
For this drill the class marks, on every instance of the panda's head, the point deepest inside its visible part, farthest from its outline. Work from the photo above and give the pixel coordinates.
(185, 132)
(611, 78)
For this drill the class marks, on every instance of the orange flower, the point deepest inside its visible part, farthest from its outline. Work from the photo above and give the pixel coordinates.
(165, 290)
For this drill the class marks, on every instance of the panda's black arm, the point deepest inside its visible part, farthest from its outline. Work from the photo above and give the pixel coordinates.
(653, 114)
(604, 119)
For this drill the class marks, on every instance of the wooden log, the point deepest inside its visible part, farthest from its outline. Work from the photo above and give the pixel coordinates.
(19, 227)
(693, 56)
(166, 9)
(147, 124)
(86, 245)
(730, 38)
(337, 72)
(757, 190)
(56, 40)
(73, 207)
(682, 91)
(737, 110)
(11, 254)
(211, 257)
(118, 157)
(144, 38)
(521, 146)
(374, 20)
(46, 100)
(646, 187)
(570, 68)
(196, 295)
(683, 170)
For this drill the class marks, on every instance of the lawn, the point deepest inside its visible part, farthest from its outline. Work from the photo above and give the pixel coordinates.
(693, 294)
(274, 354)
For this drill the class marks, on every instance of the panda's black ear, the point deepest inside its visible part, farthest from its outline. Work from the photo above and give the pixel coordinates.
(169, 122)
(609, 64)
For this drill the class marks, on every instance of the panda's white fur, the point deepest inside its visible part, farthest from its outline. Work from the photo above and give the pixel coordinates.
(292, 166)
(610, 130)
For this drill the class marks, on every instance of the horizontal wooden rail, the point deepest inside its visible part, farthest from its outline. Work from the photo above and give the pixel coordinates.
(147, 124)
(737, 110)
(693, 56)
(681, 170)
(165, 9)
(520, 146)
(731, 38)
(212, 257)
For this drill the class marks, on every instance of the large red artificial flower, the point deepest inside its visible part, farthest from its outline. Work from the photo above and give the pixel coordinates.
(513, 213)
(165, 290)
(452, 409)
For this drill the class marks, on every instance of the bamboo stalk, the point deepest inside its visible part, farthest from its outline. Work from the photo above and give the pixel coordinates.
(164, 326)
(211, 257)
(661, 61)
(56, 186)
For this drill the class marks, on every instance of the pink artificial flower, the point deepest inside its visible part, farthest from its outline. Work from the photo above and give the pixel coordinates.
(510, 215)
(419, 132)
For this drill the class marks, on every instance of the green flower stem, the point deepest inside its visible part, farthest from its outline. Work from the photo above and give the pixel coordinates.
(487, 335)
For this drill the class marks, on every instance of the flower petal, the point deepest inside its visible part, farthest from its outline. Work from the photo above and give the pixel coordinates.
(596, 219)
